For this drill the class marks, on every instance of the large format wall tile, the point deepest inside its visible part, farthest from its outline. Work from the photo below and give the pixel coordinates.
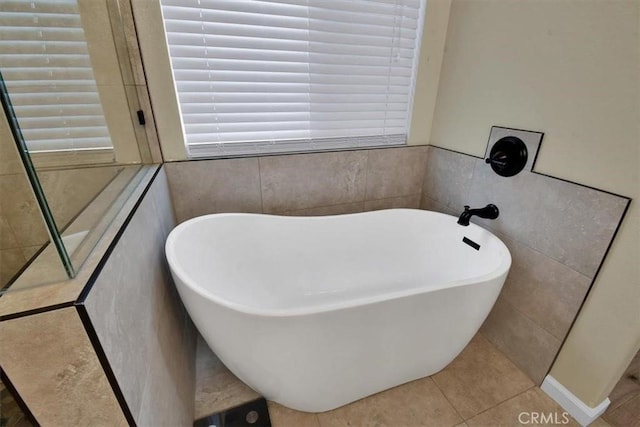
(139, 318)
(70, 191)
(557, 232)
(331, 183)
(346, 208)
(546, 291)
(448, 177)
(568, 222)
(393, 172)
(69, 386)
(10, 162)
(20, 209)
(303, 181)
(8, 238)
(529, 346)
(11, 261)
(410, 202)
(211, 186)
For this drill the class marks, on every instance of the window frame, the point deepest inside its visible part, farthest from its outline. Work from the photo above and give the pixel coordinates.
(149, 24)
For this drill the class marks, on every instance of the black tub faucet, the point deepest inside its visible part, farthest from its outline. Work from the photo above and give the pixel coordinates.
(490, 212)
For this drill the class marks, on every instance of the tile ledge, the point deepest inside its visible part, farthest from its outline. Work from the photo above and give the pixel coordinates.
(58, 294)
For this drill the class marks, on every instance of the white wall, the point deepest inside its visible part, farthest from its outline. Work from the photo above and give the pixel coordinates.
(570, 70)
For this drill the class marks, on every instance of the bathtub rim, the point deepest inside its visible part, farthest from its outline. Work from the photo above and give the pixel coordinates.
(184, 277)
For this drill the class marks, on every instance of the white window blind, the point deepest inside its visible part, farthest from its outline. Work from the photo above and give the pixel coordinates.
(45, 64)
(292, 75)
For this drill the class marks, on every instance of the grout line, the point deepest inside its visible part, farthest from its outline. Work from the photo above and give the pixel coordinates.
(502, 401)
(366, 177)
(446, 397)
(260, 184)
(529, 318)
(515, 365)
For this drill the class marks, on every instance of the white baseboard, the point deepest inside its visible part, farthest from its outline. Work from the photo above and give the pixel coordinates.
(579, 410)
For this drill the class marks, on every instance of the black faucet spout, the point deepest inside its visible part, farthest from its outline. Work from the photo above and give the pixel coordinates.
(490, 212)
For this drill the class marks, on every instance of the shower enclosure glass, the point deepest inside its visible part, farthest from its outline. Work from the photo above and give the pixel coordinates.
(70, 139)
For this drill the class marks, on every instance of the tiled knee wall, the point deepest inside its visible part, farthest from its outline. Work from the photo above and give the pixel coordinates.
(300, 184)
(557, 232)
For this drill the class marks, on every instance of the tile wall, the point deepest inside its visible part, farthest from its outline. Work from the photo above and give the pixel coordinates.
(119, 351)
(51, 363)
(300, 184)
(147, 337)
(558, 233)
(22, 230)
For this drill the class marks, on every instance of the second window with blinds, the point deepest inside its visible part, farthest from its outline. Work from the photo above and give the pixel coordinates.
(256, 77)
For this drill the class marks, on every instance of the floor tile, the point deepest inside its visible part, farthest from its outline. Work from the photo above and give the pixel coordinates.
(600, 422)
(281, 416)
(480, 378)
(418, 403)
(627, 414)
(533, 407)
(625, 397)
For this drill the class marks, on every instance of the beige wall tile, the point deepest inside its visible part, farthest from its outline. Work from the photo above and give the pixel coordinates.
(448, 177)
(519, 410)
(11, 261)
(8, 239)
(161, 403)
(20, 209)
(30, 251)
(568, 227)
(10, 162)
(69, 191)
(128, 295)
(212, 186)
(416, 403)
(346, 208)
(168, 396)
(568, 222)
(304, 181)
(56, 370)
(529, 346)
(411, 202)
(65, 291)
(134, 293)
(393, 172)
(479, 378)
(427, 203)
(546, 291)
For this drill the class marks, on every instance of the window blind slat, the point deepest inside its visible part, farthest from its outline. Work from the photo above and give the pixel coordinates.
(203, 113)
(233, 66)
(254, 74)
(373, 26)
(47, 70)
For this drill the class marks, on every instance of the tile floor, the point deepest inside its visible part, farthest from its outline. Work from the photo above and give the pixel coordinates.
(624, 409)
(481, 387)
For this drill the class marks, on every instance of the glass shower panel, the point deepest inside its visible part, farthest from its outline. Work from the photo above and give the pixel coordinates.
(68, 122)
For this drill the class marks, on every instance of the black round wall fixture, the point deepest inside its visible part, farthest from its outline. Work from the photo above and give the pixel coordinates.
(508, 156)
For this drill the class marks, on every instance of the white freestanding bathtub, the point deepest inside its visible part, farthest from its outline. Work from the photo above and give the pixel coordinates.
(316, 312)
